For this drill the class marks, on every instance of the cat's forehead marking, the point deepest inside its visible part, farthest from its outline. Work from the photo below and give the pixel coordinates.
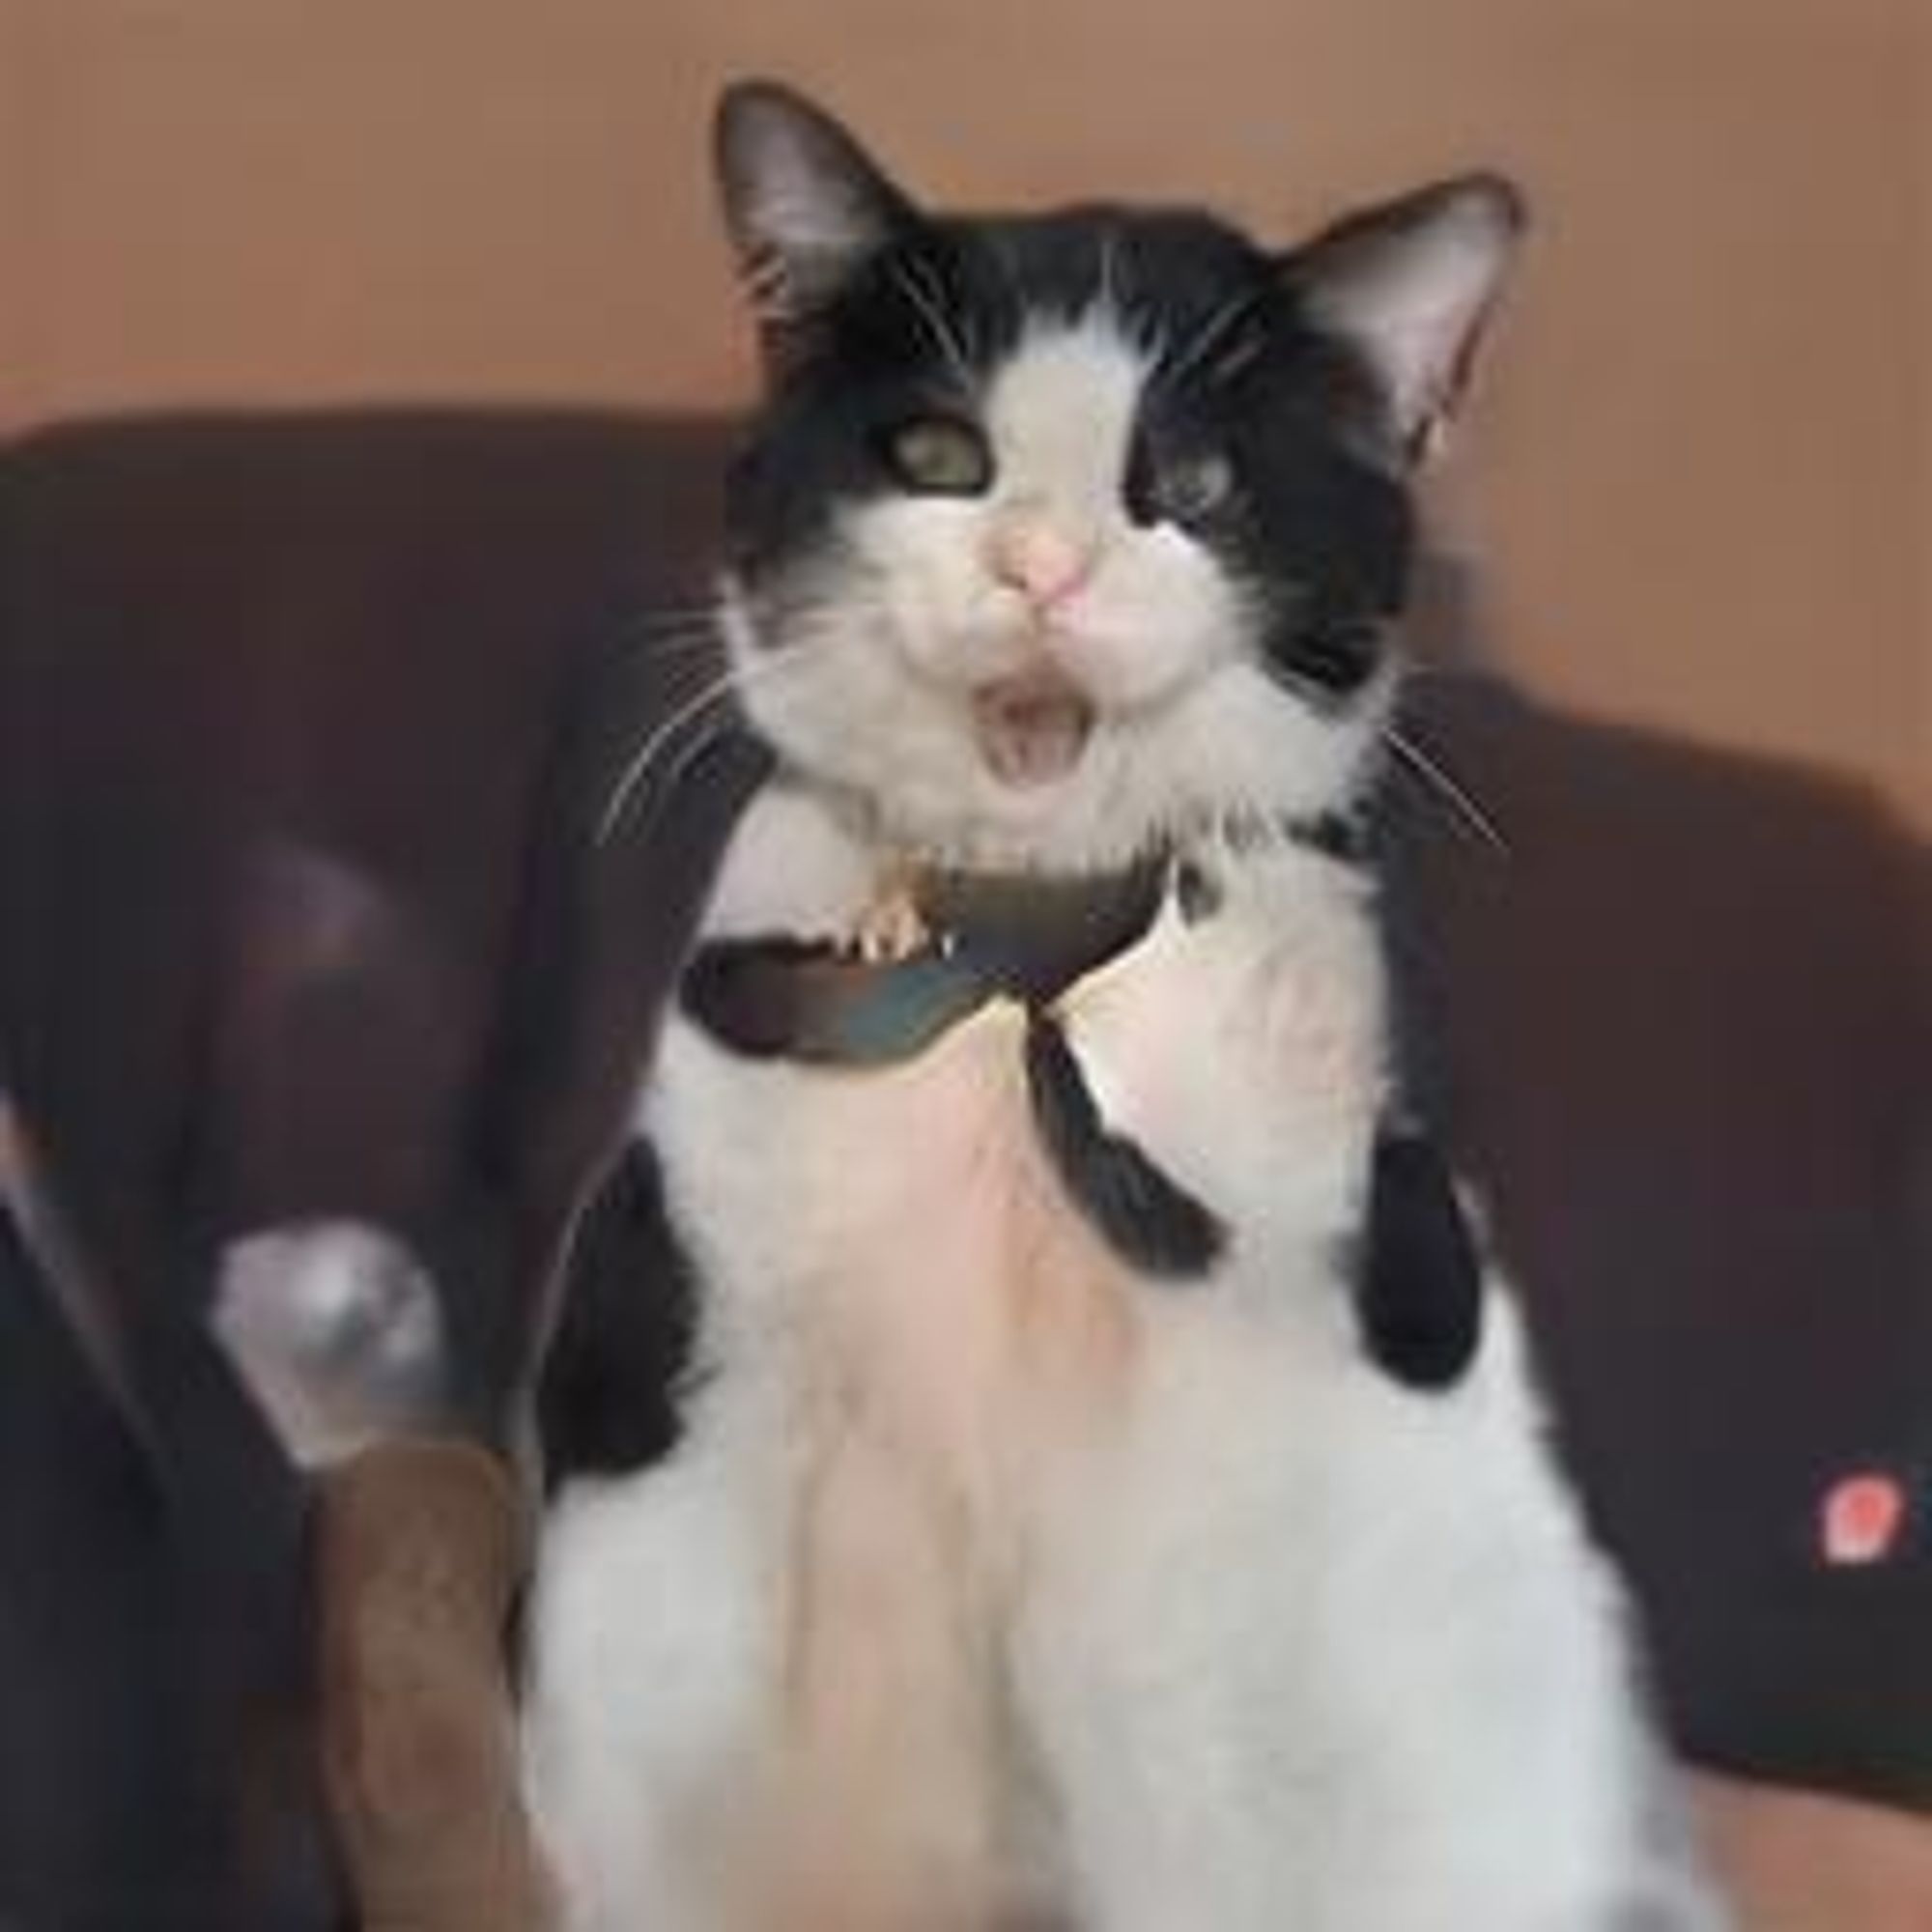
(1060, 408)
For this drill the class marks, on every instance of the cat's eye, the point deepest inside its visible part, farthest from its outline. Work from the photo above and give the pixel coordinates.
(1193, 489)
(1185, 490)
(939, 456)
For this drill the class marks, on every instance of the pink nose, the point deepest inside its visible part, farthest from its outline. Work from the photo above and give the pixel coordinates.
(1042, 564)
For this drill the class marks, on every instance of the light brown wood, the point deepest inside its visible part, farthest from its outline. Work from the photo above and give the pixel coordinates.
(419, 1548)
(1800, 1862)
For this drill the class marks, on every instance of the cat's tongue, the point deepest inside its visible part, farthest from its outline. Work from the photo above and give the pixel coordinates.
(1031, 727)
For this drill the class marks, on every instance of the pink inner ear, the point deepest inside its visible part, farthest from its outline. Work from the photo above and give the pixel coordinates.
(1860, 1518)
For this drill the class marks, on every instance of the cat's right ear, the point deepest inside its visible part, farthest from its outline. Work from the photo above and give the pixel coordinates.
(1410, 285)
(805, 204)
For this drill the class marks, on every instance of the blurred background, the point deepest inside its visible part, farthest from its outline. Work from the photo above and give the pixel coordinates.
(1703, 468)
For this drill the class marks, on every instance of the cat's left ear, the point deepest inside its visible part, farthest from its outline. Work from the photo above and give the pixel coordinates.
(805, 206)
(1408, 286)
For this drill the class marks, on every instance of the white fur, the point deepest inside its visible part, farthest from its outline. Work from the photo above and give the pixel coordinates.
(337, 1330)
(990, 1583)
(805, 207)
(1413, 300)
(870, 689)
(995, 1577)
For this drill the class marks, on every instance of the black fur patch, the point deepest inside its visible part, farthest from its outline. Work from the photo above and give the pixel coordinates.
(1337, 836)
(1419, 1278)
(1196, 892)
(1318, 531)
(1154, 1225)
(613, 1383)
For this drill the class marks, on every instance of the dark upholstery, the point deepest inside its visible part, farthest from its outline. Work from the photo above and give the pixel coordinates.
(304, 728)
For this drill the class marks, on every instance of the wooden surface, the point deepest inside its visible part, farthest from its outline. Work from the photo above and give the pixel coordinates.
(1798, 1861)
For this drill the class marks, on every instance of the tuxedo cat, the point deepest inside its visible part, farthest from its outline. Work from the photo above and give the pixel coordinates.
(1111, 1494)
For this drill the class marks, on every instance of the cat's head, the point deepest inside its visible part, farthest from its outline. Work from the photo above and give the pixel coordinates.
(1060, 532)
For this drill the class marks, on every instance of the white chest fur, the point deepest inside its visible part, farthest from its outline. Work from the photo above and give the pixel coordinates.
(911, 1209)
(991, 1580)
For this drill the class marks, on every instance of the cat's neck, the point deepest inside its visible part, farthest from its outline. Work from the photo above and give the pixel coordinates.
(804, 862)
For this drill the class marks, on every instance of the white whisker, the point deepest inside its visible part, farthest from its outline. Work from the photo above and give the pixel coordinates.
(1434, 778)
(1109, 298)
(669, 633)
(1208, 336)
(708, 710)
(714, 692)
(925, 297)
(709, 732)
(1001, 250)
(693, 644)
(670, 617)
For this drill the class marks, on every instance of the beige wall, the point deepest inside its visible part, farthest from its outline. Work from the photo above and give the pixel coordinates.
(1703, 467)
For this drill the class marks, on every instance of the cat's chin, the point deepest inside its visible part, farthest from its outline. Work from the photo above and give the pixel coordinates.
(1068, 823)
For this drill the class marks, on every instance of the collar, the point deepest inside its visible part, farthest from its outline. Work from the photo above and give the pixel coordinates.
(985, 935)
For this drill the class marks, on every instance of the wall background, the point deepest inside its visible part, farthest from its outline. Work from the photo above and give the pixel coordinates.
(1701, 468)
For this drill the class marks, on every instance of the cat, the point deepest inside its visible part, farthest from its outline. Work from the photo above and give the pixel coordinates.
(1111, 1493)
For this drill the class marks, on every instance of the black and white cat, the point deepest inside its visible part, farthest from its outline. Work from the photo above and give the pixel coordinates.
(1110, 1498)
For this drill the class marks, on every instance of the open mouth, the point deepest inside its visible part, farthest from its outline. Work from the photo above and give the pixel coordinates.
(1032, 727)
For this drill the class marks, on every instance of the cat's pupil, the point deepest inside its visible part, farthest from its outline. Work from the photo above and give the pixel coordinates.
(1194, 488)
(939, 456)
(1177, 487)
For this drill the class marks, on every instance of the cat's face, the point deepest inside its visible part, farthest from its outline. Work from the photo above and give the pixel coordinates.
(1057, 535)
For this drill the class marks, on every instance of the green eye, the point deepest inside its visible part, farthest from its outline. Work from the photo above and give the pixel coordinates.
(940, 456)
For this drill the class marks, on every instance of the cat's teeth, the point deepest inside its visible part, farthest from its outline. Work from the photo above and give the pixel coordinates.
(892, 930)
